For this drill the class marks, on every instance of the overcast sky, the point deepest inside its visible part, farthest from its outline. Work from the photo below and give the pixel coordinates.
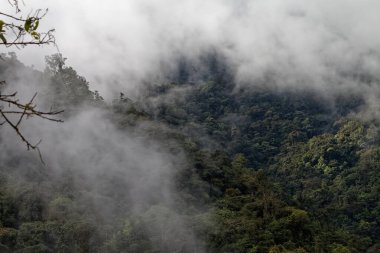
(115, 43)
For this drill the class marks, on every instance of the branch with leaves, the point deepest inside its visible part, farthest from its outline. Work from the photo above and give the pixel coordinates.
(19, 31)
(15, 30)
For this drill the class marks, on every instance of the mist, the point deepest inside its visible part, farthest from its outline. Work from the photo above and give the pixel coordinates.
(331, 48)
(316, 45)
(119, 175)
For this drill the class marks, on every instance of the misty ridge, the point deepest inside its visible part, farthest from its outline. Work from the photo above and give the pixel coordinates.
(325, 46)
(218, 126)
(127, 171)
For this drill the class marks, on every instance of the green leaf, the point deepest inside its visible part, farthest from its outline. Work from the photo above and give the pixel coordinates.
(35, 35)
(36, 25)
(1, 25)
(28, 23)
(3, 38)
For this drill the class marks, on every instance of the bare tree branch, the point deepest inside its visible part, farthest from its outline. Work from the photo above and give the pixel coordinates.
(23, 111)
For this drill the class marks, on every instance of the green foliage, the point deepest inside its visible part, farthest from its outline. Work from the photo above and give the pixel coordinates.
(3, 39)
(265, 171)
(2, 31)
(28, 24)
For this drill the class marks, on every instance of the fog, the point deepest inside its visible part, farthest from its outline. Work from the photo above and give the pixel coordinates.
(329, 47)
(113, 173)
(320, 45)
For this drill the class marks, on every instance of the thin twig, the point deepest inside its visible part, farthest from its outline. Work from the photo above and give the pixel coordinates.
(25, 110)
(12, 17)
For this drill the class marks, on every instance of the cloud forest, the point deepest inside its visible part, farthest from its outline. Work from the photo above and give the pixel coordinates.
(190, 126)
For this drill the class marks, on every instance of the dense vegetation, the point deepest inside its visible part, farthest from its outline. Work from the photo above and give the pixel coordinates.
(264, 170)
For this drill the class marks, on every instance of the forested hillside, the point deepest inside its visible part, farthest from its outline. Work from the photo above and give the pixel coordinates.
(192, 164)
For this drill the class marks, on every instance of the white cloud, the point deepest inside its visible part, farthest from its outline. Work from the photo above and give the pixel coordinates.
(115, 43)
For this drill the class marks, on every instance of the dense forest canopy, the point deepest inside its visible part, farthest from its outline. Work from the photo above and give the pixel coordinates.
(220, 135)
(190, 167)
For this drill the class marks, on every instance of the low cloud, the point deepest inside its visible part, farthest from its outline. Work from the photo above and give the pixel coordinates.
(292, 43)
